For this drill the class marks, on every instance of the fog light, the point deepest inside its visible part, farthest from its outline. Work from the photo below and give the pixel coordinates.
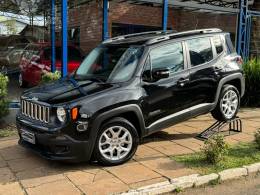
(82, 126)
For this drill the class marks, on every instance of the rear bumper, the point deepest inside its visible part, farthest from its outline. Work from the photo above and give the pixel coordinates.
(54, 145)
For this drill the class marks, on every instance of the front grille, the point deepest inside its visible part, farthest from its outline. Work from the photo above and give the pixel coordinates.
(35, 111)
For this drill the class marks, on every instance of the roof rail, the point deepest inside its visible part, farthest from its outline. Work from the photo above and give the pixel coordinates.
(139, 34)
(185, 33)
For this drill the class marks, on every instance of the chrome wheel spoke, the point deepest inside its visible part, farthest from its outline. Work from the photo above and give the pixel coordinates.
(115, 143)
(229, 104)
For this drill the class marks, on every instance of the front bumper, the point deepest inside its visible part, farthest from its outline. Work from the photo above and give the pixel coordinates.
(55, 145)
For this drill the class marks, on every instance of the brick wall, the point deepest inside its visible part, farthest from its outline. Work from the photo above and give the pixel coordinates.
(255, 37)
(89, 18)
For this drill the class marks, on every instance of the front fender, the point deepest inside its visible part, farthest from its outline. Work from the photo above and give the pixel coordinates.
(100, 118)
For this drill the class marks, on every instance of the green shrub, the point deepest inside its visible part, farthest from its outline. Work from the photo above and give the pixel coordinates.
(257, 138)
(252, 80)
(49, 77)
(3, 95)
(214, 149)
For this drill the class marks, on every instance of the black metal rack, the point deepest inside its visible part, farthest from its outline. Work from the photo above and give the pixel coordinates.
(233, 126)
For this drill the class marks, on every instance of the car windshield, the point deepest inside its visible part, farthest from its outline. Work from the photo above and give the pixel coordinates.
(110, 63)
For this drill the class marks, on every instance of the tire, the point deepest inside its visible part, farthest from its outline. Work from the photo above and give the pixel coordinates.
(228, 104)
(103, 157)
(21, 81)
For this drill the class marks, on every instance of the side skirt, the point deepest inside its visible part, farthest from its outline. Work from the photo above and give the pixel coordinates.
(180, 117)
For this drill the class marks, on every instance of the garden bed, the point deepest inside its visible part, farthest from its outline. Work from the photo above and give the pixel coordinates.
(237, 156)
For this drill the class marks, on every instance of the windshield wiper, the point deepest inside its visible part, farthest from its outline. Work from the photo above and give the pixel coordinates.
(94, 79)
(77, 86)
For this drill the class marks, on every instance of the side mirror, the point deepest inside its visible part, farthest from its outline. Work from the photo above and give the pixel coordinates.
(161, 73)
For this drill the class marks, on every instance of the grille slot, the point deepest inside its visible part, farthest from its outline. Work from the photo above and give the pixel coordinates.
(35, 111)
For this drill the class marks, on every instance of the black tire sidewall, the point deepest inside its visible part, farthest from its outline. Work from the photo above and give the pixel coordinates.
(117, 122)
(223, 92)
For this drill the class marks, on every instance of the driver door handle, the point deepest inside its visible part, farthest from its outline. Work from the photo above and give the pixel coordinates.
(182, 82)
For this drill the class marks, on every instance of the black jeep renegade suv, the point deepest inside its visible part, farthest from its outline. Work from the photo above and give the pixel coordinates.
(129, 87)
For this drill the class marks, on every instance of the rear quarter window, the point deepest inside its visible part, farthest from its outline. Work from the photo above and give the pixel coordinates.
(200, 50)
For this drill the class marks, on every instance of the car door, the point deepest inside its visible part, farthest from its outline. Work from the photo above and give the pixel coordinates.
(168, 96)
(203, 71)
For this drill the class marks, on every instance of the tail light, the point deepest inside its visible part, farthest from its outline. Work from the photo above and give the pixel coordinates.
(239, 60)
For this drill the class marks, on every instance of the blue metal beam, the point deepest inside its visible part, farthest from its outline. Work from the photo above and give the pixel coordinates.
(105, 34)
(53, 53)
(165, 15)
(64, 26)
(241, 28)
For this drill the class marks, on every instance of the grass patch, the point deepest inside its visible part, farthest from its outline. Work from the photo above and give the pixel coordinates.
(8, 131)
(237, 156)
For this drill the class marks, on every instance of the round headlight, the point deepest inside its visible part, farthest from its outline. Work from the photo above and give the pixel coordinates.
(61, 114)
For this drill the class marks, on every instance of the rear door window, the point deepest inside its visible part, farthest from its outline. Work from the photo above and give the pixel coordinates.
(168, 56)
(200, 50)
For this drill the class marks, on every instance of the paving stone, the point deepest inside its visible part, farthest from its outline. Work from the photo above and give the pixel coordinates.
(11, 189)
(167, 167)
(2, 162)
(6, 175)
(80, 177)
(242, 137)
(232, 173)
(8, 143)
(254, 168)
(104, 187)
(158, 143)
(14, 152)
(61, 187)
(190, 143)
(144, 151)
(18, 165)
(133, 173)
(173, 149)
(205, 179)
(103, 175)
(38, 176)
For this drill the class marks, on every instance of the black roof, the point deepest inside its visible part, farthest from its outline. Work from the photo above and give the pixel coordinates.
(153, 37)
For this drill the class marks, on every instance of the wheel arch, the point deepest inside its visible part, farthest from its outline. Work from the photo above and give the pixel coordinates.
(130, 112)
(236, 80)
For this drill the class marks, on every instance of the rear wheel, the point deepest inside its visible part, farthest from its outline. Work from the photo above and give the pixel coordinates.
(116, 143)
(22, 82)
(228, 104)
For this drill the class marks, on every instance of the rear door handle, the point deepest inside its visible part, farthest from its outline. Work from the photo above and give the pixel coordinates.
(183, 81)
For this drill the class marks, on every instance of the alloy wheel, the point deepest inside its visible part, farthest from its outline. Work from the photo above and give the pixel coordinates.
(115, 143)
(229, 104)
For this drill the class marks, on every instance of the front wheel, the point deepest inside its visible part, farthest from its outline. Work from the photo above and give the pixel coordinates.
(116, 142)
(228, 104)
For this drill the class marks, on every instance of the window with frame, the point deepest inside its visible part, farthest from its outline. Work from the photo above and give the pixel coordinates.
(218, 44)
(200, 50)
(168, 56)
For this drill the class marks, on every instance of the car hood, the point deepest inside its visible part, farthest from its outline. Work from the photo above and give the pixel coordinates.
(65, 90)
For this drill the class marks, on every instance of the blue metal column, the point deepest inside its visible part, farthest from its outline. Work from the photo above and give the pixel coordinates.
(248, 35)
(165, 15)
(53, 53)
(105, 34)
(64, 26)
(241, 28)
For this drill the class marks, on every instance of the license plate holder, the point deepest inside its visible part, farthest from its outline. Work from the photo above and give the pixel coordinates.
(28, 136)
